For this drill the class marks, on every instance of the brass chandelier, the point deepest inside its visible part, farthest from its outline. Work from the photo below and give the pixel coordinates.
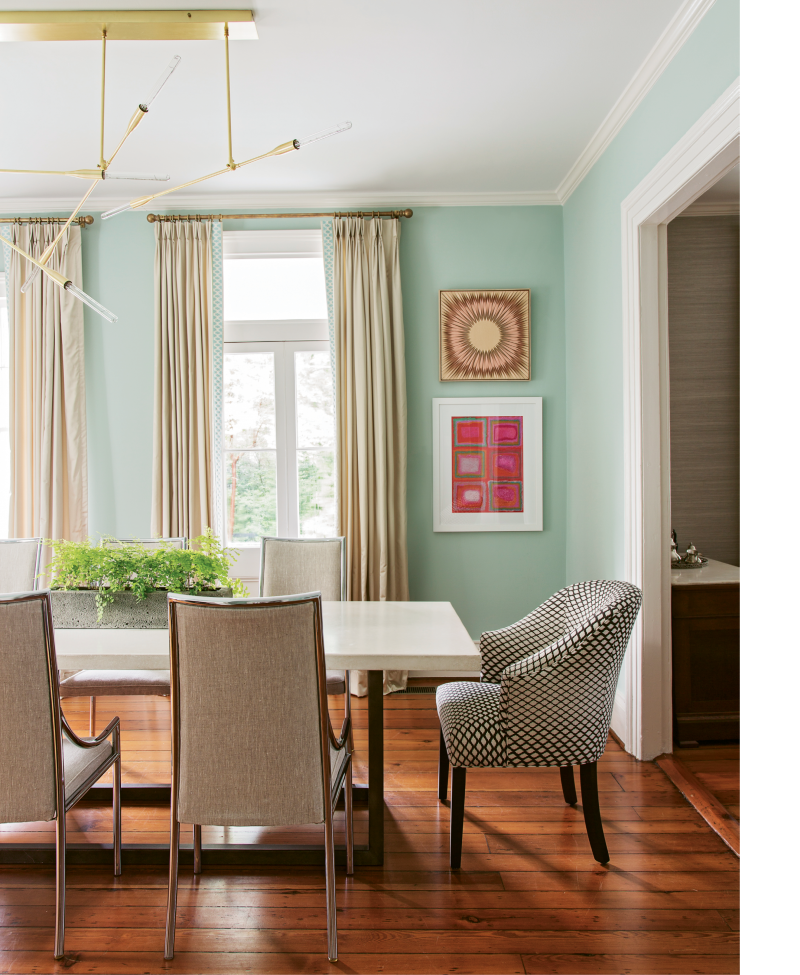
(138, 25)
(231, 165)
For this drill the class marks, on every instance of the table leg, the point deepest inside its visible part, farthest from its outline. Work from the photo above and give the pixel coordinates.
(375, 724)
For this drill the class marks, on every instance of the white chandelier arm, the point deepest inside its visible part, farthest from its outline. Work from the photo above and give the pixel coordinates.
(144, 200)
(86, 174)
(66, 284)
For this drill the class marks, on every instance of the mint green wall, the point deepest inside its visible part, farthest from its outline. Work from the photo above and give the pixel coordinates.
(118, 271)
(700, 72)
(492, 579)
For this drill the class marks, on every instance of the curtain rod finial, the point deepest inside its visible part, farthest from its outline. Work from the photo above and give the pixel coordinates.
(407, 213)
(151, 218)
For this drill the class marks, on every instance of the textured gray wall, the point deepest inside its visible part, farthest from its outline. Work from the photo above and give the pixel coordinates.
(703, 256)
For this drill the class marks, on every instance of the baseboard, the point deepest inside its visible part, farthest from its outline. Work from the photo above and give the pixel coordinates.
(619, 720)
(440, 674)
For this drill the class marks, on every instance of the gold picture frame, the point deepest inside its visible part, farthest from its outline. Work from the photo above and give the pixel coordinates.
(485, 335)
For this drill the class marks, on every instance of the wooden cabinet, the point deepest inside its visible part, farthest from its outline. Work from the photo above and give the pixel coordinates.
(705, 661)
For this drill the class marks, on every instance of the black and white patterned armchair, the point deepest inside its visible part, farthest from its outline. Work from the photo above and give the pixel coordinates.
(545, 699)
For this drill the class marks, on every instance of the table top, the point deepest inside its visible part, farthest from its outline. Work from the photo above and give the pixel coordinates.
(358, 636)
(712, 573)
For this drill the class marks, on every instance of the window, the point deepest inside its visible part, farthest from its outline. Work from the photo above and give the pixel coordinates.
(5, 442)
(278, 391)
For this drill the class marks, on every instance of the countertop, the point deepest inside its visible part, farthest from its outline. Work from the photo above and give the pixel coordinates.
(712, 573)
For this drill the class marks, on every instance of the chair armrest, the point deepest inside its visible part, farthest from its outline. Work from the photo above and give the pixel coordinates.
(537, 630)
(113, 725)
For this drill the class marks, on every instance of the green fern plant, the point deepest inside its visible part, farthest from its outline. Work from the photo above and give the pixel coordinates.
(130, 567)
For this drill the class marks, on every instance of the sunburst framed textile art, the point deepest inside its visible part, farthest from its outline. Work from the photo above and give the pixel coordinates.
(485, 335)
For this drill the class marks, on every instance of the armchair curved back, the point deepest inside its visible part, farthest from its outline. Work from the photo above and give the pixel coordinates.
(557, 696)
(250, 726)
(30, 715)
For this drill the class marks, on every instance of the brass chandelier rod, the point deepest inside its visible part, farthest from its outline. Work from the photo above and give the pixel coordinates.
(166, 217)
(102, 164)
(231, 163)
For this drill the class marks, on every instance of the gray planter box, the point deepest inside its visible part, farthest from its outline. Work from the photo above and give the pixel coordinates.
(76, 609)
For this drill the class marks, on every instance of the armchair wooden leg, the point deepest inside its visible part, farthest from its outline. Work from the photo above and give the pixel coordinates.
(457, 815)
(92, 715)
(330, 889)
(116, 811)
(444, 767)
(591, 812)
(172, 896)
(197, 836)
(61, 879)
(568, 785)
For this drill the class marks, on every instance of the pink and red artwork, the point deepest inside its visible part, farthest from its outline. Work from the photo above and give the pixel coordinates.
(487, 464)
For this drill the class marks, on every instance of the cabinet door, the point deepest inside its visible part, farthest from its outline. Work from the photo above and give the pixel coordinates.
(705, 677)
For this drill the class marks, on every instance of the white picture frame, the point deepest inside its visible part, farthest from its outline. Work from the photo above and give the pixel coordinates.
(477, 483)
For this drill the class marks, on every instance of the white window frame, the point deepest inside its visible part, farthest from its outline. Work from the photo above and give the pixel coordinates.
(282, 338)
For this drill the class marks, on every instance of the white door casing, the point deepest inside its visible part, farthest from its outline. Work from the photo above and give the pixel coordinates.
(643, 715)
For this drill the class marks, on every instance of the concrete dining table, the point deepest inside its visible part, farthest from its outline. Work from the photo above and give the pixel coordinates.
(371, 636)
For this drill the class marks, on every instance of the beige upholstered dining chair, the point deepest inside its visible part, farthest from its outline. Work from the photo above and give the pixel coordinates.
(19, 564)
(100, 683)
(45, 768)
(252, 743)
(290, 565)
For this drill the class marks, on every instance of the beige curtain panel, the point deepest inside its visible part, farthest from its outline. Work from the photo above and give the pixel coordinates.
(371, 414)
(47, 406)
(182, 444)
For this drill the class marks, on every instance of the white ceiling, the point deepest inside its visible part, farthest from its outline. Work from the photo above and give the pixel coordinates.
(446, 97)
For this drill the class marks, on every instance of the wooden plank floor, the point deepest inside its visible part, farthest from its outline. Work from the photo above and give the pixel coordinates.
(529, 897)
(717, 767)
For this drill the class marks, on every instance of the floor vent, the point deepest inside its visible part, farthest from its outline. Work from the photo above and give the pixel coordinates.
(418, 690)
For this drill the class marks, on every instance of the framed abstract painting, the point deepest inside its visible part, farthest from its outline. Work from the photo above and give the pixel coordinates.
(485, 335)
(487, 464)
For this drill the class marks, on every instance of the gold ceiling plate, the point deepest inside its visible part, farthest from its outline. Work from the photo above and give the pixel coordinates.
(126, 25)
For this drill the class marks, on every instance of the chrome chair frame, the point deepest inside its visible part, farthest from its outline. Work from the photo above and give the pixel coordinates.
(327, 737)
(38, 566)
(64, 802)
(180, 542)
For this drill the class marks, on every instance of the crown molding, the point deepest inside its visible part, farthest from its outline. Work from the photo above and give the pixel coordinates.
(718, 209)
(666, 47)
(278, 201)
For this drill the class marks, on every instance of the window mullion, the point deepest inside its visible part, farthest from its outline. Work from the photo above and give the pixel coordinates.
(290, 411)
(282, 440)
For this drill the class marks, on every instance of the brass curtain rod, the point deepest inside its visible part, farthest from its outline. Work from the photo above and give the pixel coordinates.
(153, 217)
(86, 221)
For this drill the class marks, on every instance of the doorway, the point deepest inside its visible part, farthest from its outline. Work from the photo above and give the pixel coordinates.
(709, 150)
